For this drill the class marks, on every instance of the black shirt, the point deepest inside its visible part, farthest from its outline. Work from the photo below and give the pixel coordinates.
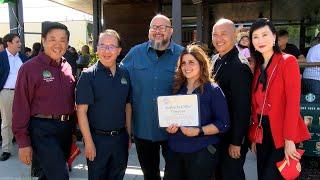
(234, 78)
(292, 49)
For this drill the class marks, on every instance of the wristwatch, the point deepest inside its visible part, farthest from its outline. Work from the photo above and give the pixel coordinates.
(201, 133)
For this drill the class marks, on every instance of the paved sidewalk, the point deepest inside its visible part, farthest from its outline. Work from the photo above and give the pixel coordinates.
(13, 169)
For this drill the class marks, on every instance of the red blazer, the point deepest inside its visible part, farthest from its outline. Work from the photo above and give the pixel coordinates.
(283, 100)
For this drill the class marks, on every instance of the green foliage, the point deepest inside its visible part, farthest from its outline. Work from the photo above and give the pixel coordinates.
(6, 1)
(94, 57)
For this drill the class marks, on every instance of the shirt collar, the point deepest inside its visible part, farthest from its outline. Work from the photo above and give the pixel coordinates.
(233, 52)
(101, 67)
(9, 53)
(184, 90)
(170, 47)
(48, 61)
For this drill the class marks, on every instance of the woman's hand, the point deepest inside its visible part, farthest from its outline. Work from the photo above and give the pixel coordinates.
(254, 148)
(173, 128)
(290, 151)
(190, 131)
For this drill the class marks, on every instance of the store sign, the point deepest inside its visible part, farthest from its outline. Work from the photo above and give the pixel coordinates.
(310, 112)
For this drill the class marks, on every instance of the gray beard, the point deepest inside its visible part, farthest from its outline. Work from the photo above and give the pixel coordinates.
(159, 45)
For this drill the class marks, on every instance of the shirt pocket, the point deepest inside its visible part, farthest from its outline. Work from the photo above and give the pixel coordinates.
(168, 75)
(140, 67)
(140, 77)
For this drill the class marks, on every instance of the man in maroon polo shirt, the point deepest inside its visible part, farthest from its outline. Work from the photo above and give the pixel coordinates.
(43, 102)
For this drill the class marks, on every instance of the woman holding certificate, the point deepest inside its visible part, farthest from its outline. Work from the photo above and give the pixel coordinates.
(277, 126)
(192, 150)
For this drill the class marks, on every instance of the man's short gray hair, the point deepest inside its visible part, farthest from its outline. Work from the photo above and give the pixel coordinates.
(110, 32)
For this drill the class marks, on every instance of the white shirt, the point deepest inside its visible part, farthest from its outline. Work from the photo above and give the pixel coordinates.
(313, 56)
(15, 64)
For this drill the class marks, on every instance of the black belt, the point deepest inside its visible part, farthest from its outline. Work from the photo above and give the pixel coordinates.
(109, 133)
(55, 117)
(10, 89)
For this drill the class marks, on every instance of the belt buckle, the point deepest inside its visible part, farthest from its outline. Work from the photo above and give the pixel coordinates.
(114, 133)
(64, 118)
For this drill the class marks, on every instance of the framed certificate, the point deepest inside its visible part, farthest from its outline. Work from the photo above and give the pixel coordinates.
(179, 109)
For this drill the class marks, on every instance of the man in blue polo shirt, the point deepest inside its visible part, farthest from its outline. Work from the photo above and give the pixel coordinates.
(104, 111)
(151, 66)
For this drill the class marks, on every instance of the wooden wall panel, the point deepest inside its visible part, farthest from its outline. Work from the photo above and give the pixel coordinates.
(130, 20)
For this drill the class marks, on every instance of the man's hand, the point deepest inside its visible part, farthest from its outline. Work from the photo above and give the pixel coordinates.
(234, 151)
(90, 150)
(190, 131)
(25, 155)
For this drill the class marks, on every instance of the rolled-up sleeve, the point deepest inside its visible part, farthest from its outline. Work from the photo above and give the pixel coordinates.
(23, 96)
(219, 108)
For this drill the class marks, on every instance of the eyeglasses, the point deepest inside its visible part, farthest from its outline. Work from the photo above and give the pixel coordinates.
(107, 47)
(161, 28)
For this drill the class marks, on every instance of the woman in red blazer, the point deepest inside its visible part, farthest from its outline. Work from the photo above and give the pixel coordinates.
(275, 101)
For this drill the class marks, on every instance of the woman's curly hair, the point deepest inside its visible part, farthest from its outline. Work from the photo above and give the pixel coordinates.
(205, 68)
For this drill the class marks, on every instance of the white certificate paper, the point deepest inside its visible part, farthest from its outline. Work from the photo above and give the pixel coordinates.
(179, 109)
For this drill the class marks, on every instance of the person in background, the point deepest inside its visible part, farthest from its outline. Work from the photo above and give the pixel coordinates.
(104, 111)
(243, 47)
(84, 59)
(243, 44)
(275, 101)
(1, 49)
(192, 150)
(283, 38)
(151, 67)
(1, 45)
(36, 47)
(43, 104)
(27, 52)
(234, 77)
(10, 62)
(71, 56)
(311, 75)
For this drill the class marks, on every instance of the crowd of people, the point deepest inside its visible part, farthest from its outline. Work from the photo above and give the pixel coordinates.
(252, 81)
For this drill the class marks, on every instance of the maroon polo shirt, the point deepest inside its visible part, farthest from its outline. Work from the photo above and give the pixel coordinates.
(42, 87)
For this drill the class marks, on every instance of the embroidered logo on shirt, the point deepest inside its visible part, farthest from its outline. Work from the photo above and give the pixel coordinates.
(318, 146)
(47, 76)
(124, 80)
(310, 97)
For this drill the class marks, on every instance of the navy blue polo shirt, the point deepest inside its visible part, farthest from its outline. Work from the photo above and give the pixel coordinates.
(213, 109)
(106, 96)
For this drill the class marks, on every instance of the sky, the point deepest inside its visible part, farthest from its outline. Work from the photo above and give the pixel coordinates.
(44, 10)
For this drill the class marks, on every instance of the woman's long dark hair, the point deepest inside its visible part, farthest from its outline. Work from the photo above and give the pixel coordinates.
(257, 56)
